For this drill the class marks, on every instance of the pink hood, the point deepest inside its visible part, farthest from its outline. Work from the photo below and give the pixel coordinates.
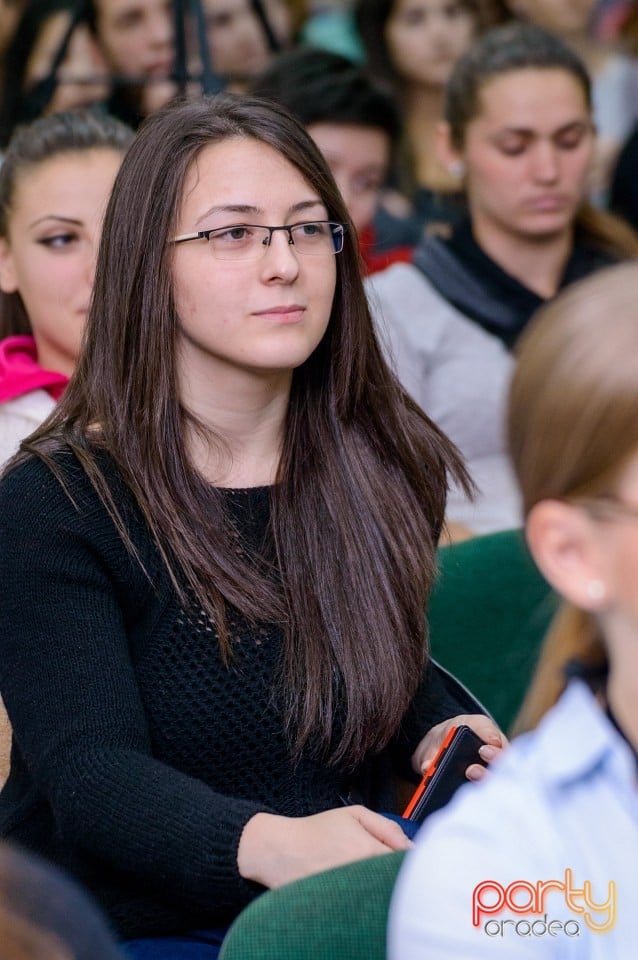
(20, 372)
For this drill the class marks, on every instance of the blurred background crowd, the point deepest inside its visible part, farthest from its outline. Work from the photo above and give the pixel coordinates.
(485, 150)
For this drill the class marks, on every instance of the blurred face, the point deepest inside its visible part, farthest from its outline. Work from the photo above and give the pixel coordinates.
(260, 317)
(358, 158)
(236, 40)
(49, 254)
(136, 36)
(527, 154)
(559, 16)
(425, 38)
(82, 75)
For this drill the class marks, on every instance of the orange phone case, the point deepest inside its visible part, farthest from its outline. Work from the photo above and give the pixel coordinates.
(446, 772)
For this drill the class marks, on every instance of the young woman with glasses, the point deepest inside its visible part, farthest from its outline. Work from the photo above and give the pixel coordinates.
(216, 555)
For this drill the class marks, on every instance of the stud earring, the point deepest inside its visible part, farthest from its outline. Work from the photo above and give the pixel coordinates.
(595, 590)
(456, 169)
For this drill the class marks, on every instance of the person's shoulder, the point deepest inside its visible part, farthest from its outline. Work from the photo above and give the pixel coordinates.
(50, 488)
(403, 297)
(20, 417)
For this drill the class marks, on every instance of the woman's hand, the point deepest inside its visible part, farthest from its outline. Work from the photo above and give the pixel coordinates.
(485, 728)
(274, 850)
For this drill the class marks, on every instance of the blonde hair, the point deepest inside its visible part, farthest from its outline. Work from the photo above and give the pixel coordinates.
(572, 426)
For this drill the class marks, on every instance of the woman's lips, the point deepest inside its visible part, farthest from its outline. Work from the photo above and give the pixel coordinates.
(283, 314)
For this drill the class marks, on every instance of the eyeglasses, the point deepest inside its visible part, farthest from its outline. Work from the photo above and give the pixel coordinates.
(249, 241)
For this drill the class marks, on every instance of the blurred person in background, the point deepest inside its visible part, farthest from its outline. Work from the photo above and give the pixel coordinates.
(412, 46)
(614, 78)
(490, 872)
(518, 123)
(238, 41)
(55, 181)
(354, 122)
(53, 64)
(136, 39)
(44, 915)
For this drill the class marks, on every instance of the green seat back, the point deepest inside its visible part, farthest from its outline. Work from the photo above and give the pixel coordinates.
(340, 914)
(488, 613)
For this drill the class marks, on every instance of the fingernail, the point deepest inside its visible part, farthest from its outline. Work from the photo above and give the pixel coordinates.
(475, 772)
(487, 752)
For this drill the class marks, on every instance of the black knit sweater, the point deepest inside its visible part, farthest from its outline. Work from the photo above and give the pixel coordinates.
(138, 756)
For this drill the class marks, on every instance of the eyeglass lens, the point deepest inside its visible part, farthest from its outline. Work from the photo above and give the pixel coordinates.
(248, 242)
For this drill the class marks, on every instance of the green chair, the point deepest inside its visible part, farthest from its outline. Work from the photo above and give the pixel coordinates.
(488, 614)
(340, 914)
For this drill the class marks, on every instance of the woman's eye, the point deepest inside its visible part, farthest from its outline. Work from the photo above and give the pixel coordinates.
(59, 241)
(413, 18)
(512, 149)
(570, 141)
(232, 234)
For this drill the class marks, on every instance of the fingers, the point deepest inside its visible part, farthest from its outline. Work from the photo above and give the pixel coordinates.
(386, 831)
(483, 726)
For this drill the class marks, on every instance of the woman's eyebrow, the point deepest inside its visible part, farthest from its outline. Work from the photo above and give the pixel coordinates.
(248, 209)
(58, 217)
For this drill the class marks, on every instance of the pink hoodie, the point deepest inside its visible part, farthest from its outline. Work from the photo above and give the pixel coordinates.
(20, 372)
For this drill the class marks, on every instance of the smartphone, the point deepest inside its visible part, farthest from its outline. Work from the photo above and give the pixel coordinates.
(446, 773)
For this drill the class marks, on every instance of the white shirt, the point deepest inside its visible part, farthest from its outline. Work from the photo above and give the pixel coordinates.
(561, 805)
(19, 418)
(460, 375)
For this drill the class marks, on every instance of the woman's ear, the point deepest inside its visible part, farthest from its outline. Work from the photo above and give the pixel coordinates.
(567, 547)
(8, 279)
(447, 155)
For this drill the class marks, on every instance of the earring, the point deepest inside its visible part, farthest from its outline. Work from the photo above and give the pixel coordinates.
(595, 590)
(456, 169)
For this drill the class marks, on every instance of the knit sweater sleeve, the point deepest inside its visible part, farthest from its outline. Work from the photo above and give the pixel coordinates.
(70, 593)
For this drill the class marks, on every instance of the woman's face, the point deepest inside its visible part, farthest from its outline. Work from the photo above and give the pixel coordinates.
(258, 318)
(236, 39)
(425, 38)
(49, 254)
(359, 158)
(82, 76)
(559, 16)
(527, 154)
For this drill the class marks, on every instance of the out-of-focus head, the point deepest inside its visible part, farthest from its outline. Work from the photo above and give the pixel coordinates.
(136, 37)
(52, 65)
(354, 123)
(55, 180)
(573, 436)
(565, 17)
(417, 42)
(518, 122)
(237, 41)
(501, 52)
(45, 916)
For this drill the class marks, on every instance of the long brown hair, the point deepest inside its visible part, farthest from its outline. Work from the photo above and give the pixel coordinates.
(361, 486)
(65, 133)
(573, 424)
